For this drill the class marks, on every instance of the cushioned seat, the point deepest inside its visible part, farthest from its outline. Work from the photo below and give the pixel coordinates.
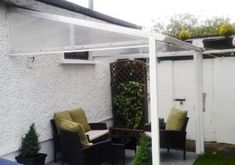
(95, 134)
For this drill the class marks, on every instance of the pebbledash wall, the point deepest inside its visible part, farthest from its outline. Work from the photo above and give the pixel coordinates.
(32, 95)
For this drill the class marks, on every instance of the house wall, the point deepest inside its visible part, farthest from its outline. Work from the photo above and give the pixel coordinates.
(218, 84)
(32, 94)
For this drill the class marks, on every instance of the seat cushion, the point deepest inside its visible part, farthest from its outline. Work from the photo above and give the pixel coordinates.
(75, 127)
(176, 119)
(79, 116)
(62, 115)
(94, 134)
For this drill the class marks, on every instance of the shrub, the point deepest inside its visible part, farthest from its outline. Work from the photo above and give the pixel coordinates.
(184, 34)
(29, 143)
(143, 155)
(226, 29)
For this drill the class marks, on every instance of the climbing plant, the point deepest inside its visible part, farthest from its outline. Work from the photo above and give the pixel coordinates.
(130, 102)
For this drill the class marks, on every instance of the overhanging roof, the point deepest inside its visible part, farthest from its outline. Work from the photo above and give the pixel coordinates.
(33, 33)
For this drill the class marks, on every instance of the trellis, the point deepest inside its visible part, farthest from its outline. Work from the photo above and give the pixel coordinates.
(124, 71)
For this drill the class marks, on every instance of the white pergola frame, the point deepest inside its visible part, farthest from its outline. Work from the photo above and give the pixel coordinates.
(152, 39)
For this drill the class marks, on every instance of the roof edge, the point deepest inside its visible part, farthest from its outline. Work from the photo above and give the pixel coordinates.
(91, 13)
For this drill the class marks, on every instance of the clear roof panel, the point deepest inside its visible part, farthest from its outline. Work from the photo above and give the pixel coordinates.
(30, 34)
(34, 32)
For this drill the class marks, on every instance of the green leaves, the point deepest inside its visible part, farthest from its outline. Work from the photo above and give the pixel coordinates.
(143, 155)
(195, 25)
(29, 143)
(130, 103)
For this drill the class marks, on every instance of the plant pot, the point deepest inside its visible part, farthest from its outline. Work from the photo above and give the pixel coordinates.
(218, 43)
(38, 160)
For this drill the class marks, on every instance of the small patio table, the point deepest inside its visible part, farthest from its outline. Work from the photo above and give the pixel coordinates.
(7, 162)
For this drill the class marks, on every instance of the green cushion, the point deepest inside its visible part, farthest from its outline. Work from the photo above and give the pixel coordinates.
(62, 115)
(79, 116)
(176, 119)
(75, 127)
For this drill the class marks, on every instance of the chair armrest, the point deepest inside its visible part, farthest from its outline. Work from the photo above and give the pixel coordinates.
(98, 126)
(98, 146)
(172, 132)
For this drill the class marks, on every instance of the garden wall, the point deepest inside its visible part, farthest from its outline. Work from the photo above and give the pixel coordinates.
(176, 80)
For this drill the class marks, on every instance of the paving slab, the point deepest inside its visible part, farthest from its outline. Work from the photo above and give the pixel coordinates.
(167, 158)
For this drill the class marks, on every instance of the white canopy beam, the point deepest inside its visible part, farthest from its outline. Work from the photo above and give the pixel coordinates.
(153, 101)
(198, 107)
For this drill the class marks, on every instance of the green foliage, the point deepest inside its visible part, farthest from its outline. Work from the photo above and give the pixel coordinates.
(173, 26)
(143, 155)
(29, 143)
(184, 34)
(192, 23)
(226, 29)
(130, 102)
(207, 159)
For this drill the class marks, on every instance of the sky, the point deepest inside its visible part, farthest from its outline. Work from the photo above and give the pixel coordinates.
(147, 12)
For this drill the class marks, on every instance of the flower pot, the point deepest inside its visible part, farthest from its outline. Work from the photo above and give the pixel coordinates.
(37, 160)
(219, 43)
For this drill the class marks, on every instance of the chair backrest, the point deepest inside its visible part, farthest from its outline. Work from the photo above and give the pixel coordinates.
(185, 124)
(71, 149)
(53, 125)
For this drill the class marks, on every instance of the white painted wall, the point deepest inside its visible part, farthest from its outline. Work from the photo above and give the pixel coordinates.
(176, 81)
(32, 95)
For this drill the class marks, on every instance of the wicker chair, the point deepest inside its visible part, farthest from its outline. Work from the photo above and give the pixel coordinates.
(56, 136)
(73, 154)
(174, 139)
(170, 139)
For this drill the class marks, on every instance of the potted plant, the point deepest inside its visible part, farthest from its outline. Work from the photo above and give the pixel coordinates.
(225, 30)
(29, 149)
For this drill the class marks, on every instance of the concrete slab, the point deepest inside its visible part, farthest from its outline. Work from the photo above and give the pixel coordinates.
(167, 158)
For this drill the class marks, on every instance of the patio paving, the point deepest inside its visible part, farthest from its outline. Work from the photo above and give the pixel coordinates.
(167, 158)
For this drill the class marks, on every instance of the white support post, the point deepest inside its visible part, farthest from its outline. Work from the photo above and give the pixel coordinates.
(153, 101)
(198, 107)
(91, 4)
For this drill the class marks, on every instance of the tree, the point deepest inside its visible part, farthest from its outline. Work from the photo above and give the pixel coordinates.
(29, 143)
(193, 24)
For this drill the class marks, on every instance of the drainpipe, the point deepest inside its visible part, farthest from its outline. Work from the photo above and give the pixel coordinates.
(90, 4)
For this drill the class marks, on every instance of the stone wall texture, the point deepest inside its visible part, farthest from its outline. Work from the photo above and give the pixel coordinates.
(32, 95)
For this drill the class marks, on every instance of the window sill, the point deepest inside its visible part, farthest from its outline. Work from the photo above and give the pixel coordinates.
(79, 62)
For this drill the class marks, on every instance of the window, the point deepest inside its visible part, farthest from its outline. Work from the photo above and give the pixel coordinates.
(77, 56)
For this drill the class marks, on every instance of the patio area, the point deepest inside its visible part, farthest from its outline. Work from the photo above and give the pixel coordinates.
(82, 82)
(167, 158)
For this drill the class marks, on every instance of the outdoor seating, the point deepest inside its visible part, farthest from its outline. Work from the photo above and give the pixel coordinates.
(95, 132)
(172, 136)
(74, 153)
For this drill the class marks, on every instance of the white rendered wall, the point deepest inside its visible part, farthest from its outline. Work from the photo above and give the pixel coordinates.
(32, 95)
(218, 84)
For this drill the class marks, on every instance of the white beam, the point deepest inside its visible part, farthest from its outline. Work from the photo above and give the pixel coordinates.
(77, 50)
(198, 107)
(153, 101)
(182, 44)
(219, 51)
